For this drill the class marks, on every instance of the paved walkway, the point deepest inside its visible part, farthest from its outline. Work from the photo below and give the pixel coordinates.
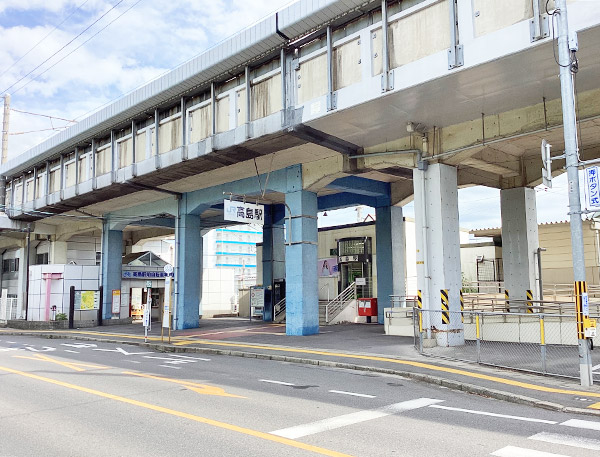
(360, 347)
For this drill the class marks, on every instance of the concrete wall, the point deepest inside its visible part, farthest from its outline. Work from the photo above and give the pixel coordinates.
(218, 291)
(469, 254)
(557, 261)
(82, 277)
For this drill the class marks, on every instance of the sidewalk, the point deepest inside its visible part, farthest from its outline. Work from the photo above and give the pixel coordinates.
(359, 347)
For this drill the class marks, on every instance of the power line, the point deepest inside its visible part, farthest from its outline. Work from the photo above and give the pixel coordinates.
(47, 35)
(40, 130)
(63, 47)
(67, 55)
(43, 115)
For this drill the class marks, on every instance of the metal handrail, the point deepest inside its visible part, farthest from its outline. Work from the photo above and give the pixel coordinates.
(279, 311)
(323, 287)
(339, 303)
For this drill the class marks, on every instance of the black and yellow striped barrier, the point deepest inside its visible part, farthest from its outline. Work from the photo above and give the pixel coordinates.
(506, 297)
(445, 307)
(462, 307)
(580, 289)
(529, 302)
(420, 306)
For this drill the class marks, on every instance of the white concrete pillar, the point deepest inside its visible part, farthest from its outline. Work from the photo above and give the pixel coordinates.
(519, 241)
(58, 253)
(438, 250)
(22, 282)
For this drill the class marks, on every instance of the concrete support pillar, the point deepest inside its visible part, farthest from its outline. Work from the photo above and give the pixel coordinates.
(22, 282)
(112, 260)
(302, 298)
(519, 241)
(438, 250)
(390, 248)
(188, 242)
(58, 253)
(273, 253)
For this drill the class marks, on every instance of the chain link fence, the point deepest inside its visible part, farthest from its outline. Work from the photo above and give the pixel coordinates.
(532, 342)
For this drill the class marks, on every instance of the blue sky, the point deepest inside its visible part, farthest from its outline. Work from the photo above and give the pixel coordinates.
(146, 41)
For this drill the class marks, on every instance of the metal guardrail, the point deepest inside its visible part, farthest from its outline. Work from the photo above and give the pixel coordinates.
(533, 342)
(339, 303)
(403, 301)
(476, 302)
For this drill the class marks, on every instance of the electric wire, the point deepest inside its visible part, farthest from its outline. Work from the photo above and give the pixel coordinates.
(43, 115)
(64, 46)
(40, 130)
(78, 47)
(46, 36)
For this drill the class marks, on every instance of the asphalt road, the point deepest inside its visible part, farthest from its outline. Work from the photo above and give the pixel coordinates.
(68, 398)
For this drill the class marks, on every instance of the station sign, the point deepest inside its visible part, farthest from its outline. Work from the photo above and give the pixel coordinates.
(145, 274)
(247, 213)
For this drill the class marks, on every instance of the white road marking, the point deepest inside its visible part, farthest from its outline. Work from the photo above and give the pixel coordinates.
(11, 342)
(170, 366)
(332, 423)
(513, 451)
(567, 440)
(485, 413)
(354, 394)
(577, 423)
(80, 345)
(270, 381)
(134, 361)
(188, 357)
(123, 351)
(596, 367)
(44, 349)
(9, 349)
(176, 361)
(72, 352)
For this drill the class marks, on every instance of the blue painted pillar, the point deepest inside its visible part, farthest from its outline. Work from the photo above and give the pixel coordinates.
(273, 254)
(302, 300)
(390, 249)
(189, 271)
(112, 260)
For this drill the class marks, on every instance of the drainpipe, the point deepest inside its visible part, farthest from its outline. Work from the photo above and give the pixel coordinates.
(26, 297)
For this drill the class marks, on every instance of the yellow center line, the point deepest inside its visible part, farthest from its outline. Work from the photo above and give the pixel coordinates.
(198, 388)
(427, 366)
(181, 414)
(71, 365)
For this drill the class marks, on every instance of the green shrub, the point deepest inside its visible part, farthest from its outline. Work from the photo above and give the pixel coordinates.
(61, 317)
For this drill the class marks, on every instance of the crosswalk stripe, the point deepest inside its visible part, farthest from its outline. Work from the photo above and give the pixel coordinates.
(578, 423)
(513, 451)
(567, 440)
(332, 423)
(485, 413)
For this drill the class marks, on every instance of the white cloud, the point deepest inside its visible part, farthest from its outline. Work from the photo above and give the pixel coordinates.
(145, 42)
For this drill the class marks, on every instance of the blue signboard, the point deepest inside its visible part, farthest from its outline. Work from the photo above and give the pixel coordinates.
(146, 274)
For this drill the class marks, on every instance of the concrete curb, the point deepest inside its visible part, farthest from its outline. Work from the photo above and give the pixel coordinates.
(419, 377)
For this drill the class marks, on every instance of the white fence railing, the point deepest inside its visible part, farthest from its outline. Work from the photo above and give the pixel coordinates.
(339, 303)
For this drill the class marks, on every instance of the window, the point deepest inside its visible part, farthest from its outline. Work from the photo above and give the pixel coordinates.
(42, 259)
(10, 265)
(98, 257)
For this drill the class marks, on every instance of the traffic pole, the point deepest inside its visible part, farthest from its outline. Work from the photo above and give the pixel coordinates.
(565, 60)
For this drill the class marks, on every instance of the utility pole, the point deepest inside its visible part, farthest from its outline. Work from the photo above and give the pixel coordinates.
(5, 121)
(572, 163)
